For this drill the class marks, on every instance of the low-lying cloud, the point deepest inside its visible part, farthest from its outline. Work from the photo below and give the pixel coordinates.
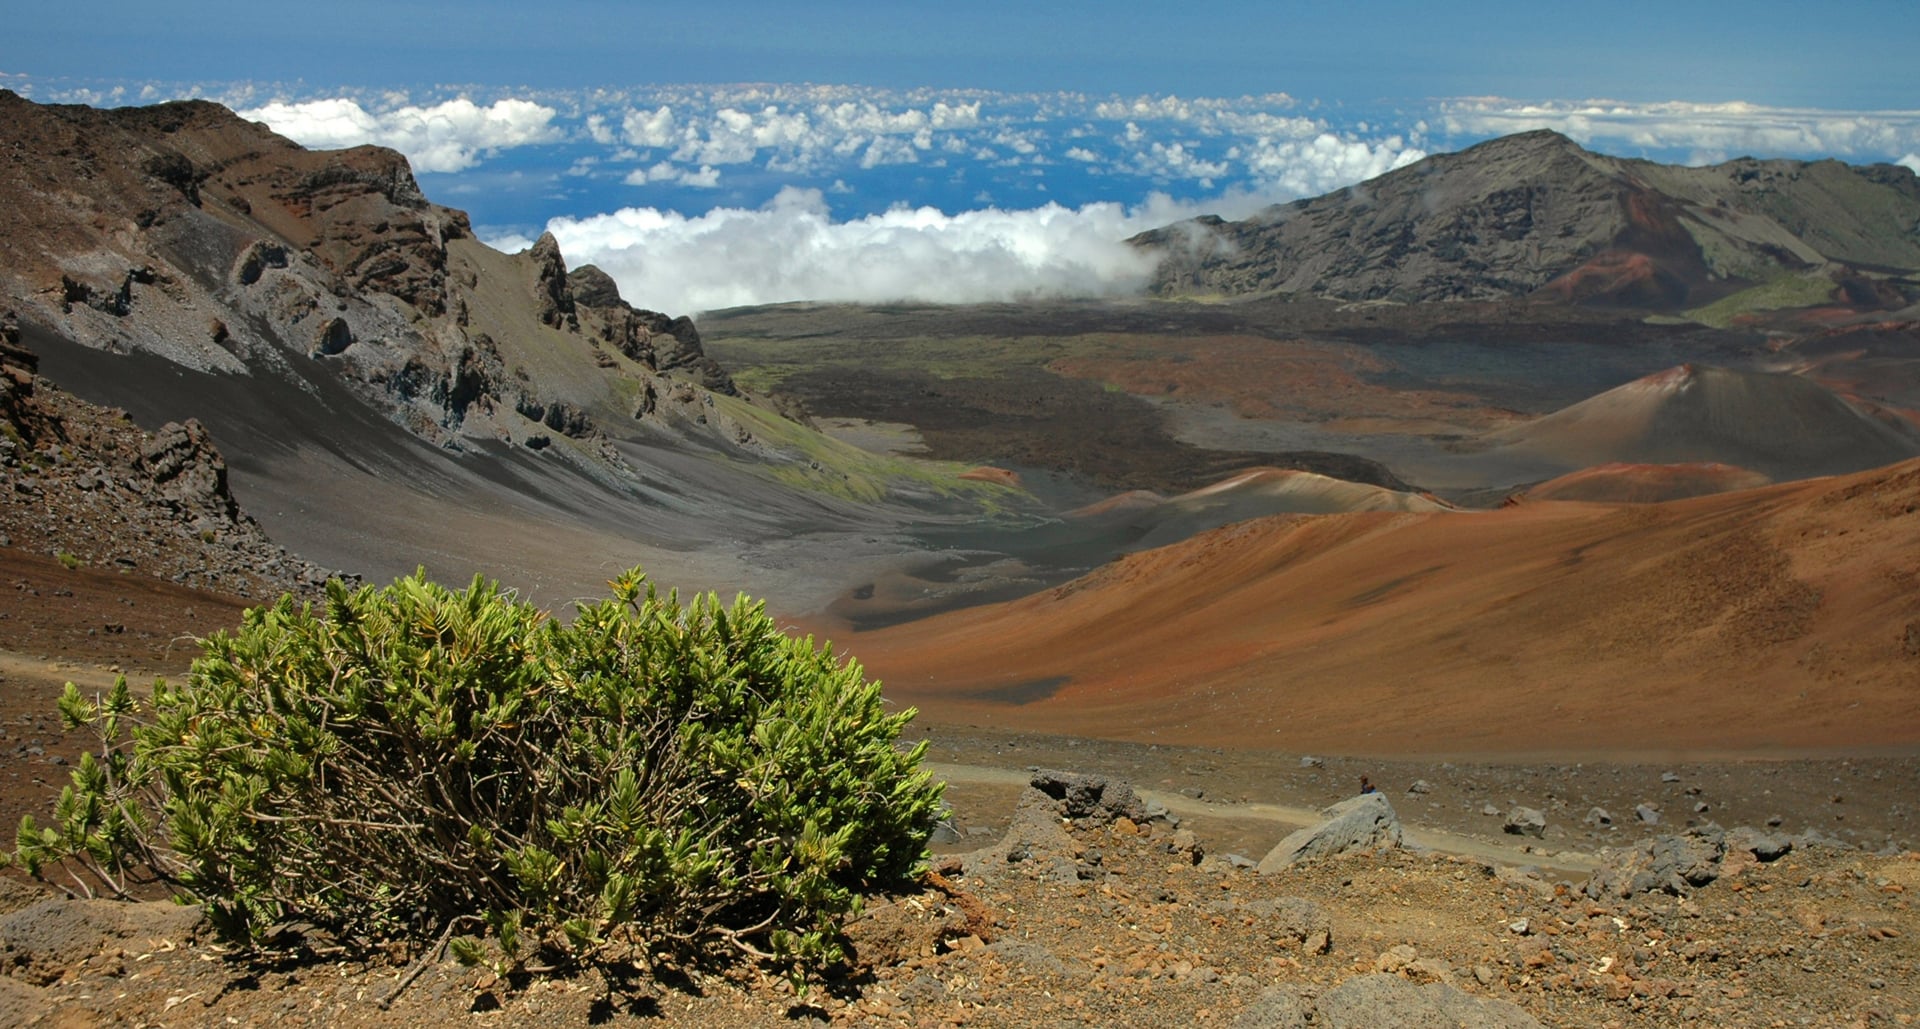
(1710, 132)
(792, 249)
(446, 137)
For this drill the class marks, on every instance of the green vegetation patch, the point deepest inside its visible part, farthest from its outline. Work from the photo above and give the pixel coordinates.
(818, 463)
(413, 763)
(1779, 293)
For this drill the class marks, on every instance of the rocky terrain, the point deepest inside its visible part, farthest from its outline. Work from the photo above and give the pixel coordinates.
(182, 231)
(1092, 906)
(90, 488)
(367, 368)
(1534, 214)
(1583, 587)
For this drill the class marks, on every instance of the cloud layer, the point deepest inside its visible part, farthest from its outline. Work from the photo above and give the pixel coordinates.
(792, 249)
(450, 136)
(1704, 133)
(697, 197)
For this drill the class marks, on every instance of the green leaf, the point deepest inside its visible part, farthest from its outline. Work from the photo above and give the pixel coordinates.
(467, 950)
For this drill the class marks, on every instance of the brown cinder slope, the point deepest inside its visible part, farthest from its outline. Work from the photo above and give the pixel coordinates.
(1626, 483)
(1786, 618)
(1784, 426)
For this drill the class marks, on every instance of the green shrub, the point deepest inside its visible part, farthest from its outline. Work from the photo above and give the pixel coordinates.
(413, 762)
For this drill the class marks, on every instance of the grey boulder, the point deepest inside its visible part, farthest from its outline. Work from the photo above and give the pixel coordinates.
(1366, 822)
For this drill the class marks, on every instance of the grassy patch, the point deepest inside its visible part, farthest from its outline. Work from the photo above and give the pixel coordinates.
(761, 362)
(1780, 293)
(818, 463)
(762, 378)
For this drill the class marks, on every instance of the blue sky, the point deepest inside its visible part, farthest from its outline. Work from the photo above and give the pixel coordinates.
(975, 151)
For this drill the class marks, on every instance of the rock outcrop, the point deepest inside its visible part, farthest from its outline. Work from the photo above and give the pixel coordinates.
(24, 423)
(1366, 822)
(1682, 863)
(1085, 795)
(86, 485)
(214, 243)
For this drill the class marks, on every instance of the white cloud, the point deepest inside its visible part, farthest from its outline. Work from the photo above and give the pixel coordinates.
(708, 177)
(1911, 162)
(889, 150)
(447, 137)
(955, 116)
(1296, 168)
(1706, 130)
(649, 128)
(1176, 161)
(801, 131)
(792, 249)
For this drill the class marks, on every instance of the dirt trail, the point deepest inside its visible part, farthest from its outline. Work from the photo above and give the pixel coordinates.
(1292, 817)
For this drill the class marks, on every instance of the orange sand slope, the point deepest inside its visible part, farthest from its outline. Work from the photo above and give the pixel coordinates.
(1254, 493)
(1764, 621)
(1620, 483)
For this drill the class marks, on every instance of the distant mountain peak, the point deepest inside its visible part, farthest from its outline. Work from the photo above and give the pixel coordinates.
(1537, 215)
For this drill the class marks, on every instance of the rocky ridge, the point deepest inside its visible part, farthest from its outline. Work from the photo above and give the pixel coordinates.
(87, 486)
(1535, 214)
(182, 231)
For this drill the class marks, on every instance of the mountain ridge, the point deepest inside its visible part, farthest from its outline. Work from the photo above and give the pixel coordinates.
(369, 369)
(1536, 215)
(244, 252)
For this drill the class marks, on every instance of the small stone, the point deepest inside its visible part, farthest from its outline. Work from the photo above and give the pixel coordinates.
(1526, 821)
(1647, 814)
(1396, 959)
(1669, 777)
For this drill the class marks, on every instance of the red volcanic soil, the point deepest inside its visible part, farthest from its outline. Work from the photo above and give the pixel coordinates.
(82, 624)
(987, 473)
(1619, 277)
(1873, 360)
(104, 617)
(1766, 622)
(1620, 483)
(1654, 262)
